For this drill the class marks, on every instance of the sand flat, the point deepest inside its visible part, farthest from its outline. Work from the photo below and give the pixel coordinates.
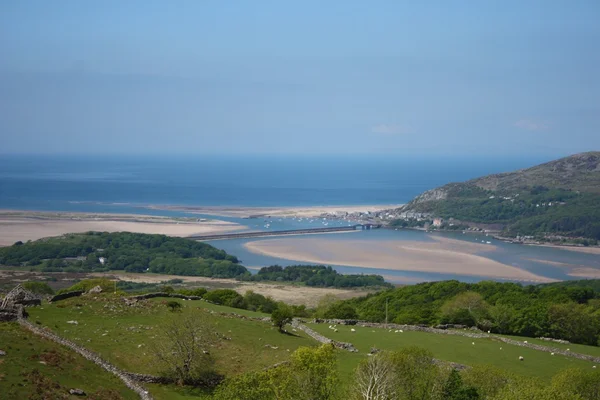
(23, 226)
(443, 255)
(298, 212)
(578, 270)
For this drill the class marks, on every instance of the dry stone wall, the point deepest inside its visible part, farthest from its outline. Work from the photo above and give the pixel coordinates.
(127, 378)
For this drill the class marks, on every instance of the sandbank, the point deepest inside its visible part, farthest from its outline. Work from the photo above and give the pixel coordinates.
(298, 212)
(580, 249)
(577, 270)
(443, 255)
(31, 225)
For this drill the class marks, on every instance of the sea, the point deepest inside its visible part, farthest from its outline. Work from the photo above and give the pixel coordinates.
(131, 183)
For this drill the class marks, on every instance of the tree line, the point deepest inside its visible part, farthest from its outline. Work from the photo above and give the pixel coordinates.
(570, 311)
(315, 275)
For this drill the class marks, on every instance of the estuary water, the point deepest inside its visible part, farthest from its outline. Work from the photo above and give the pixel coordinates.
(128, 184)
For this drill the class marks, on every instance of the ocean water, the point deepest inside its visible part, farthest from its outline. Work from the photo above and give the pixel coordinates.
(127, 184)
(120, 183)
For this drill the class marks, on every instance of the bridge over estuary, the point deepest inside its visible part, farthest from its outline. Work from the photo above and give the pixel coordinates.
(307, 231)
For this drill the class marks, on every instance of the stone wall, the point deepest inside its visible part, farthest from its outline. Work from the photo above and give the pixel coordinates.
(164, 294)
(322, 339)
(67, 295)
(87, 354)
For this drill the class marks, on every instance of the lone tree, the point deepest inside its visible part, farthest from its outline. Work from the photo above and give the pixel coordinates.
(182, 350)
(174, 306)
(281, 315)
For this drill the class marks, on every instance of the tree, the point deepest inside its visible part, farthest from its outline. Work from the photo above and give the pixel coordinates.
(465, 308)
(182, 349)
(583, 383)
(174, 305)
(341, 310)
(312, 374)
(574, 323)
(374, 378)
(416, 376)
(281, 316)
(455, 389)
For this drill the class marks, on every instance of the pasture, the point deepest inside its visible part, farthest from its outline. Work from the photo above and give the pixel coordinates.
(453, 348)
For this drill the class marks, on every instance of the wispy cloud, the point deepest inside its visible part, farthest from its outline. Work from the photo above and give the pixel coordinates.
(390, 129)
(531, 125)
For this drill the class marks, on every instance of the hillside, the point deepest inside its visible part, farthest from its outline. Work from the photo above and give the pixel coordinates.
(556, 201)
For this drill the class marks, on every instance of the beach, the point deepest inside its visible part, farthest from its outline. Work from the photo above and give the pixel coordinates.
(291, 212)
(30, 225)
(442, 255)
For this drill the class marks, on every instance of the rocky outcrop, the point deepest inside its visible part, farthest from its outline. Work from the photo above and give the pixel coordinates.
(95, 289)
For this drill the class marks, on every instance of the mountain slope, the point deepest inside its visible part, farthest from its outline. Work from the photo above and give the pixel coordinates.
(557, 200)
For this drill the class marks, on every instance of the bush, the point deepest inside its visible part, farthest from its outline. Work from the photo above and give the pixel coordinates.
(226, 297)
(38, 287)
(87, 284)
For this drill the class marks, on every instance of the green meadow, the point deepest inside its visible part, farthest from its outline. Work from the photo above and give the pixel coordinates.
(458, 349)
(36, 368)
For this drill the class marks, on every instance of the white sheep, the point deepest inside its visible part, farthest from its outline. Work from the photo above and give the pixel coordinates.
(521, 358)
(593, 366)
(500, 348)
(551, 354)
(489, 331)
(401, 331)
(525, 342)
(473, 343)
(568, 349)
(335, 330)
(352, 330)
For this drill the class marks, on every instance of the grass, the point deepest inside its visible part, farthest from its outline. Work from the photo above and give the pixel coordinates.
(576, 348)
(454, 348)
(36, 368)
(125, 335)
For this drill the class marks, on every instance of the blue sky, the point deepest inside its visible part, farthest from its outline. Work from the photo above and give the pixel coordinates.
(397, 77)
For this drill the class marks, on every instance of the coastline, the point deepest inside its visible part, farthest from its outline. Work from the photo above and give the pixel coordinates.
(493, 234)
(288, 212)
(18, 225)
(444, 255)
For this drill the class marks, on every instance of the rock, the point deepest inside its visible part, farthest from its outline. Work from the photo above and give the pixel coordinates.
(374, 350)
(95, 289)
(77, 392)
(73, 322)
(2, 353)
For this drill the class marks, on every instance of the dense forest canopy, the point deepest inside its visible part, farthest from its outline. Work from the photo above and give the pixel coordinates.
(315, 275)
(132, 252)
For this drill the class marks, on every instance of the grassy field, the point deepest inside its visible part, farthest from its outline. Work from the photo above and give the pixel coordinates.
(35, 368)
(126, 336)
(454, 348)
(576, 348)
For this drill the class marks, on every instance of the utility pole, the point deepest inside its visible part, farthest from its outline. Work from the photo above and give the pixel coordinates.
(386, 313)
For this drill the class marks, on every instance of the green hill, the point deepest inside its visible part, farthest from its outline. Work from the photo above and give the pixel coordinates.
(556, 201)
